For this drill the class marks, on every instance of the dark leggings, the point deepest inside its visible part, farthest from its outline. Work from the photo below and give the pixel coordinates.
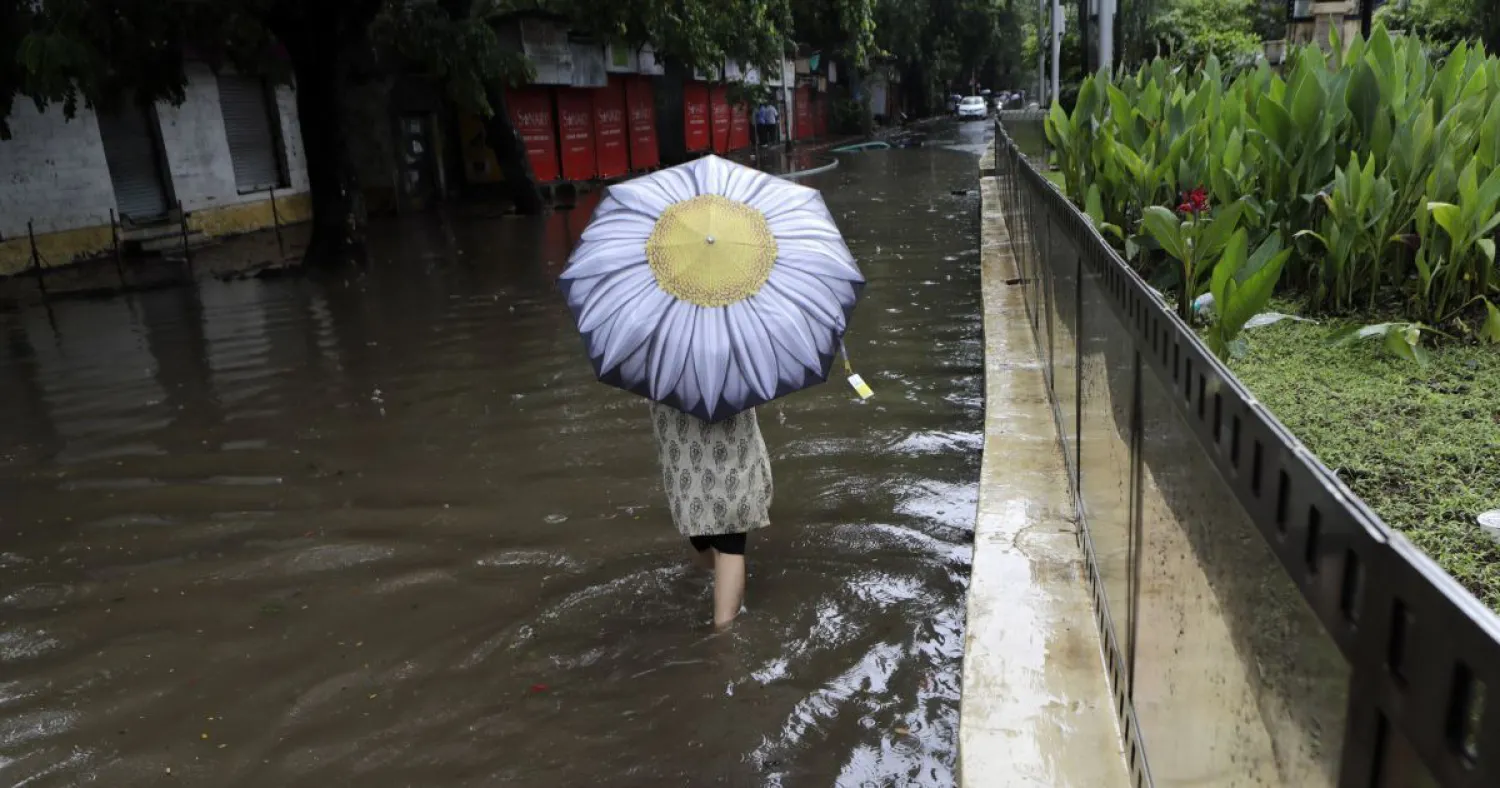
(729, 544)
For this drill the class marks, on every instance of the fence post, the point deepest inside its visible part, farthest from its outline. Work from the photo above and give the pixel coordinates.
(36, 261)
(276, 222)
(187, 254)
(114, 243)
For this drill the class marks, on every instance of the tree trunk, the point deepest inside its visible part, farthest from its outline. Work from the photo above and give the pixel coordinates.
(319, 38)
(510, 154)
(338, 232)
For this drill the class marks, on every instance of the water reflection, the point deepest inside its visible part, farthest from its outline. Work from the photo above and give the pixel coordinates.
(385, 529)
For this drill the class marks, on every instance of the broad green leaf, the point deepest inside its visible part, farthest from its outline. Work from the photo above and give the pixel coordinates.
(1447, 216)
(1274, 122)
(1223, 224)
(1491, 329)
(1487, 245)
(1164, 226)
(1252, 296)
(1229, 264)
(1307, 105)
(1363, 96)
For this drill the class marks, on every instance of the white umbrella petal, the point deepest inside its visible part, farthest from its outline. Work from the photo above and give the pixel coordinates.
(837, 250)
(679, 185)
(609, 296)
(711, 356)
(743, 183)
(619, 224)
(782, 198)
(804, 225)
(634, 368)
(597, 258)
(670, 349)
(642, 195)
(812, 294)
(712, 175)
(753, 351)
(736, 385)
(635, 323)
(820, 265)
(787, 326)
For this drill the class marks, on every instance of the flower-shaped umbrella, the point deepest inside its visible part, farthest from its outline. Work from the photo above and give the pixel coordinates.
(711, 287)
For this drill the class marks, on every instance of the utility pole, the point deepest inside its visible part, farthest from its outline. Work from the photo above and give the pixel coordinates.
(1057, 34)
(1107, 35)
(1041, 56)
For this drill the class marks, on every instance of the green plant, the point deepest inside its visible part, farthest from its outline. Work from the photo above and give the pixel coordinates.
(1242, 286)
(1403, 340)
(1200, 236)
(1373, 167)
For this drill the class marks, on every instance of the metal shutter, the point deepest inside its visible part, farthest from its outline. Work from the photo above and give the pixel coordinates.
(247, 124)
(134, 169)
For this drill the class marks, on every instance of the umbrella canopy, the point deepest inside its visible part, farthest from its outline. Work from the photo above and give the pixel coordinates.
(711, 287)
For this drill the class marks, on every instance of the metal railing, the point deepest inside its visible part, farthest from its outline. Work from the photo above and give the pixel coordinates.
(1261, 625)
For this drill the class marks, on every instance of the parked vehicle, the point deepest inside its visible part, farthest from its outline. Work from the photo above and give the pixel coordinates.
(973, 107)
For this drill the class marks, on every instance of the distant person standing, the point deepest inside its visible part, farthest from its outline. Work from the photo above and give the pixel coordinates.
(763, 124)
(773, 121)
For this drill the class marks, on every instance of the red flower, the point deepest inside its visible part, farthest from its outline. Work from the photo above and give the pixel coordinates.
(1194, 202)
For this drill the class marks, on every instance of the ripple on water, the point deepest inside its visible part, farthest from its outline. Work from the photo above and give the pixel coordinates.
(19, 644)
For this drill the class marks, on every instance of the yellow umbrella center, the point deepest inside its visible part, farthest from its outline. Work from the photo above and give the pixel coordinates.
(711, 250)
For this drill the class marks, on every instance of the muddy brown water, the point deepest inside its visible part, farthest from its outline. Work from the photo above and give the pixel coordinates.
(387, 530)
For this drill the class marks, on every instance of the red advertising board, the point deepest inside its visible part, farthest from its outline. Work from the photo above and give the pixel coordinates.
(575, 121)
(820, 116)
(644, 152)
(803, 124)
(611, 143)
(739, 128)
(719, 118)
(531, 114)
(695, 116)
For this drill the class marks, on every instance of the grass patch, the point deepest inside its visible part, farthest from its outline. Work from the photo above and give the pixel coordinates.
(1056, 177)
(1421, 445)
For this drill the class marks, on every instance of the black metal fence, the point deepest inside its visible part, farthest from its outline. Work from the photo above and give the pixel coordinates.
(1261, 625)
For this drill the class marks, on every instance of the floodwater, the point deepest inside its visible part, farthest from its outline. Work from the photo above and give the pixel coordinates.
(387, 531)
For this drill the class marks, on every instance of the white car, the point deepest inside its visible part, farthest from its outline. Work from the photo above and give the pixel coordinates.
(973, 107)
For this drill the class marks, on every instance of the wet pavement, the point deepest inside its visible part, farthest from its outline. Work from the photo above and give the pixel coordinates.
(386, 530)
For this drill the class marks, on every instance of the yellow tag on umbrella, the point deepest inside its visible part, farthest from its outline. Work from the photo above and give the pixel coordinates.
(860, 386)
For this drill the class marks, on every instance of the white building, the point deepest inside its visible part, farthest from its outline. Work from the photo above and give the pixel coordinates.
(220, 154)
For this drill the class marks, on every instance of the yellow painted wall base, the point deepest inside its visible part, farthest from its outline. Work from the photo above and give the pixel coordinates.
(56, 249)
(245, 217)
(71, 246)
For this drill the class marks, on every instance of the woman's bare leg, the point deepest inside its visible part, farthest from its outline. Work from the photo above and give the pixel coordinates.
(729, 587)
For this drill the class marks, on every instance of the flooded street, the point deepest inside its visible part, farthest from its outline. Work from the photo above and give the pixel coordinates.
(388, 530)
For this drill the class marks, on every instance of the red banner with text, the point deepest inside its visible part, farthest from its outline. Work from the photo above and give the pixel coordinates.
(695, 116)
(531, 114)
(739, 128)
(644, 151)
(575, 119)
(611, 142)
(719, 117)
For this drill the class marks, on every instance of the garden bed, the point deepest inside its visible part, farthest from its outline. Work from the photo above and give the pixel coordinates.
(1419, 443)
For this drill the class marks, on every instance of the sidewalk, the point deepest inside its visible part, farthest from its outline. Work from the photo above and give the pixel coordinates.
(1036, 708)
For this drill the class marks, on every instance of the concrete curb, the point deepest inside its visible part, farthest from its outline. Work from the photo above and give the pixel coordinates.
(819, 170)
(1035, 707)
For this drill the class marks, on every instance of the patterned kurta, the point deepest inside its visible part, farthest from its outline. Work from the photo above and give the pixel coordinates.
(717, 476)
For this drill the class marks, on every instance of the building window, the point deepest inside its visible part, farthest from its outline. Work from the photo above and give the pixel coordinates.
(253, 130)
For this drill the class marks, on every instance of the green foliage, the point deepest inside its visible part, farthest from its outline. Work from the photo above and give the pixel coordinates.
(1242, 286)
(1444, 22)
(1192, 30)
(1375, 168)
(938, 43)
